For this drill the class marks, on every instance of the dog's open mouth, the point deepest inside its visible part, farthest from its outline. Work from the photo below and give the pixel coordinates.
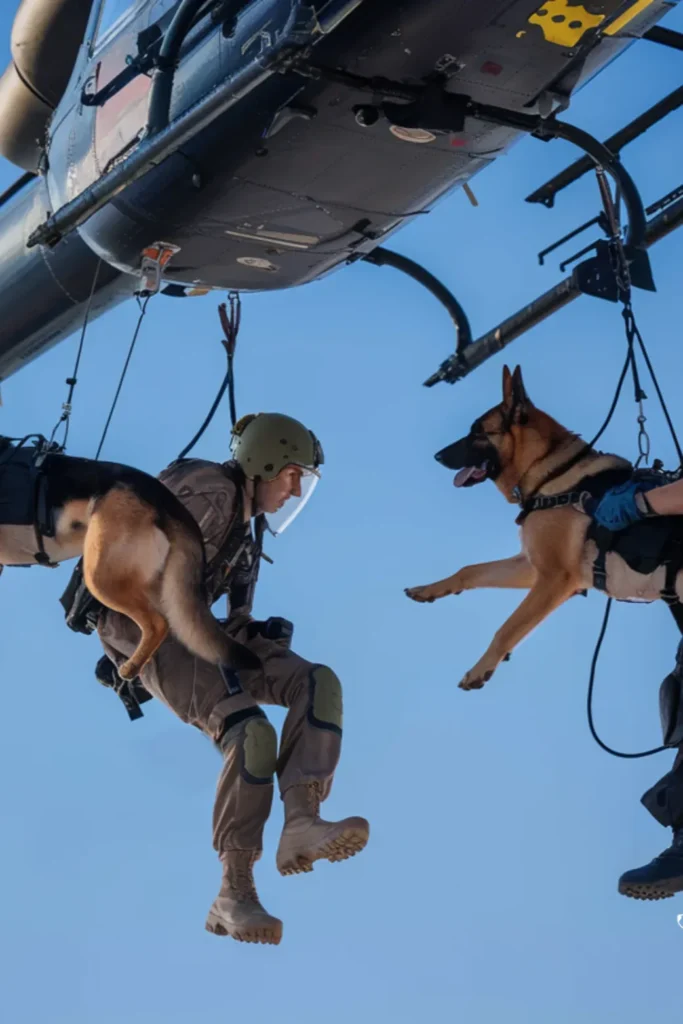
(471, 475)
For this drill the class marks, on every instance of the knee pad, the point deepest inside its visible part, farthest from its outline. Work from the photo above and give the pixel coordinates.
(260, 751)
(251, 729)
(326, 709)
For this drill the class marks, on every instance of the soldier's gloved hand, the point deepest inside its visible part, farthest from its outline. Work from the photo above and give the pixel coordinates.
(277, 629)
(621, 506)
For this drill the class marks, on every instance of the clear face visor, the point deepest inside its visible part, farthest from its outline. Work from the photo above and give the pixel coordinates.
(278, 522)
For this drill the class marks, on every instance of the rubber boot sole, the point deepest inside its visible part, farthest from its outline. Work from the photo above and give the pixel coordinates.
(347, 844)
(267, 935)
(651, 890)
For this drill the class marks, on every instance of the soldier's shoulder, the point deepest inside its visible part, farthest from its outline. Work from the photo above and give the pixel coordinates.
(199, 474)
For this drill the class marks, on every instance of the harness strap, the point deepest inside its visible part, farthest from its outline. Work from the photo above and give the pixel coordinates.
(548, 501)
(603, 540)
(673, 567)
(131, 691)
(41, 555)
(223, 562)
(560, 470)
(590, 487)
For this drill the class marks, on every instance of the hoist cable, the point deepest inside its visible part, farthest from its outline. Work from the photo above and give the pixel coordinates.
(665, 410)
(231, 326)
(143, 309)
(72, 381)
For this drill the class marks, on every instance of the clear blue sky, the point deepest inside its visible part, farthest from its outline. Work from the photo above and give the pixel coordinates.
(499, 829)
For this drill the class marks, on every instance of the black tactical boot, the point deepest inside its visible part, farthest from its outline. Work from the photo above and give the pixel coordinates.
(659, 879)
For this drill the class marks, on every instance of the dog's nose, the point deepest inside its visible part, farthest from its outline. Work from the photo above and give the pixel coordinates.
(450, 455)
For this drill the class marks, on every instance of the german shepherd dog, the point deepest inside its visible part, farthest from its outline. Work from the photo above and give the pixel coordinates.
(143, 553)
(527, 453)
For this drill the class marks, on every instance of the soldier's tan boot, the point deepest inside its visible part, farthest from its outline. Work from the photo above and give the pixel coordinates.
(237, 910)
(306, 838)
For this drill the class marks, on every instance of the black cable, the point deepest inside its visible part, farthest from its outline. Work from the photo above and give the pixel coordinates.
(615, 401)
(231, 391)
(143, 310)
(217, 401)
(231, 327)
(594, 664)
(665, 410)
(72, 381)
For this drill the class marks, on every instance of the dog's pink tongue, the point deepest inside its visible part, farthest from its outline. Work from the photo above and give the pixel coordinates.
(464, 475)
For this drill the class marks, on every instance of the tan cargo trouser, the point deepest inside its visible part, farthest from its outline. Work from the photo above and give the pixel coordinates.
(311, 736)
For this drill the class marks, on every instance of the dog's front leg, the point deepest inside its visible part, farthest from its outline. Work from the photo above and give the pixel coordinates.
(547, 594)
(515, 573)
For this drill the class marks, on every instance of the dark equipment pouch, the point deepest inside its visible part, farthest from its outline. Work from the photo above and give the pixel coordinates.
(81, 609)
(82, 612)
(277, 629)
(131, 691)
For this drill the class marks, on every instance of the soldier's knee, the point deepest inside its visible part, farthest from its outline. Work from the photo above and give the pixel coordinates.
(258, 740)
(260, 750)
(326, 709)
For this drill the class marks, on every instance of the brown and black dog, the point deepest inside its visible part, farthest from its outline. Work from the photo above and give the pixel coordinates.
(527, 453)
(143, 553)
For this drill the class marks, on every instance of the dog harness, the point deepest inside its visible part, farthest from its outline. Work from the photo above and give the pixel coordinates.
(644, 546)
(24, 491)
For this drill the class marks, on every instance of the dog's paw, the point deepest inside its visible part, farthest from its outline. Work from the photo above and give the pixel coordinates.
(432, 592)
(481, 673)
(129, 670)
(474, 681)
(478, 676)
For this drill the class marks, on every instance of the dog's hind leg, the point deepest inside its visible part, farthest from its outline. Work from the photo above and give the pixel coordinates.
(514, 573)
(124, 554)
(153, 575)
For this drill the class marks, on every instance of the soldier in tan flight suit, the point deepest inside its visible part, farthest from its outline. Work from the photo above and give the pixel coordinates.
(275, 464)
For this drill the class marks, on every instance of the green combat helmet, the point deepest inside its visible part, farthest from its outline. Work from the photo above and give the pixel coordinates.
(263, 444)
(267, 442)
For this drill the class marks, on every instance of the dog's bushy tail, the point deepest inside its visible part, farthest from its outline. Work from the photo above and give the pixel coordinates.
(183, 602)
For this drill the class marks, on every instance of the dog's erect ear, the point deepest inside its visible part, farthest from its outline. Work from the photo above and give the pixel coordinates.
(507, 386)
(519, 394)
(515, 398)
